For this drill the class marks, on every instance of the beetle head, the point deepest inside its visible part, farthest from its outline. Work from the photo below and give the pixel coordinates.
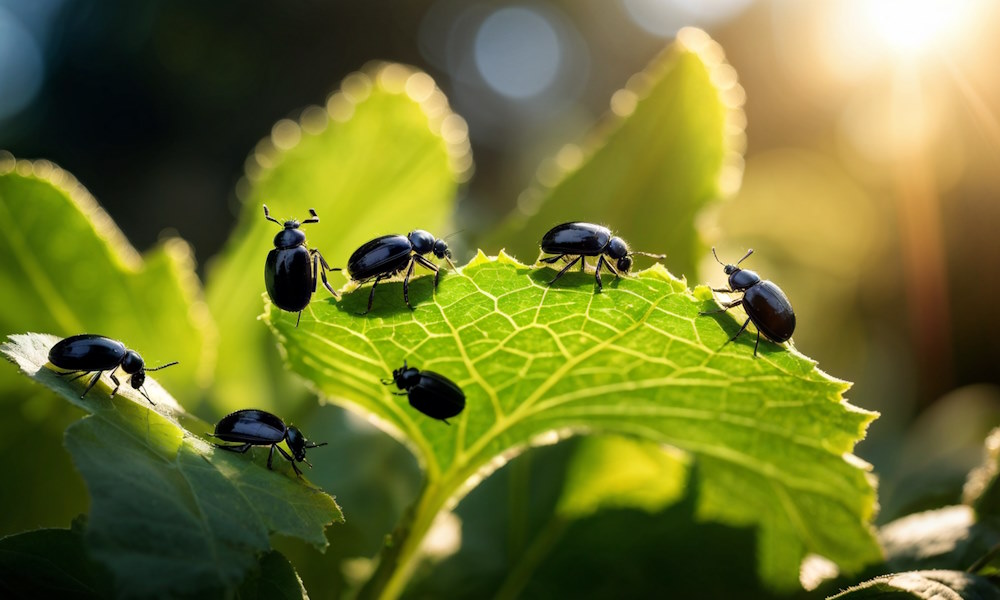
(729, 269)
(404, 377)
(625, 263)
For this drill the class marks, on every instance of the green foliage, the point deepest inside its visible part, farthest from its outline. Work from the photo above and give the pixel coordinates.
(770, 434)
(53, 563)
(924, 585)
(161, 495)
(68, 270)
(385, 157)
(673, 145)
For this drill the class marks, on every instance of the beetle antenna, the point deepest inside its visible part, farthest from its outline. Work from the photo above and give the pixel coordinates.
(315, 445)
(717, 257)
(164, 366)
(386, 381)
(452, 234)
(648, 254)
(453, 267)
(267, 215)
(142, 391)
(314, 218)
(749, 252)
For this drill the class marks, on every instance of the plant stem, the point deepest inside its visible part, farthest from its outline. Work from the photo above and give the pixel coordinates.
(401, 551)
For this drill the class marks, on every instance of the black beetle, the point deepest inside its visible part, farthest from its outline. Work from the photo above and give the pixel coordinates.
(253, 427)
(765, 304)
(388, 255)
(430, 393)
(88, 353)
(587, 239)
(289, 276)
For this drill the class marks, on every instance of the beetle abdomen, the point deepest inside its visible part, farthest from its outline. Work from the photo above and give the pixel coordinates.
(288, 278)
(252, 426)
(384, 255)
(587, 239)
(771, 312)
(87, 352)
(436, 396)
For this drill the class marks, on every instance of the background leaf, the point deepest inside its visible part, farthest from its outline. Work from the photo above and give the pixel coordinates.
(672, 144)
(170, 514)
(769, 434)
(924, 585)
(384, 156)
(69, 270)
(50, 563)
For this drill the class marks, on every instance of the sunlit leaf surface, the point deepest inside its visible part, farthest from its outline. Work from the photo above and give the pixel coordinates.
(772, 436)
(170, 513)
(384, 156)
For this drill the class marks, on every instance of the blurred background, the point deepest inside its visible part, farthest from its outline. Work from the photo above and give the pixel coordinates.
(870, 188)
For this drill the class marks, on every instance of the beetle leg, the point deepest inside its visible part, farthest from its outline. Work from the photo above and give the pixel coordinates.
(757, 344)
(290, 459)
(723, 290)
(371, 296)
(725, 306)
(597, 272)
(322, 272)
(79, 374)
(445, 421)
(400, 393)
(742, 329)
(93, 382)
(566, 268)
(433, 267)
(611, 267)
(241, 448)
(270, 455)
(297, 319)
(552, 259)
(118, 384)
(406, 283)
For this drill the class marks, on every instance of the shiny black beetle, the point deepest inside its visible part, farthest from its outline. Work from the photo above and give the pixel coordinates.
(88, 353)
(291, 270)
(252, 427)
(765, 304)
(586, 239)
(388, 255)
(430, 393)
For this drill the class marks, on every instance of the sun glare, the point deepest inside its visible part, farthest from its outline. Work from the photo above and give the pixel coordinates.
(912, 27)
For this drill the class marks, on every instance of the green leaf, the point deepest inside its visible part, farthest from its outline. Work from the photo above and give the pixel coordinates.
(274, 579)
(947, 538)
(772, 436)
(924, 585)
(53, 563)
(170, 514)
(50, 563)
(672, 144)
(384, 156)
(67, 269)
(982, 490)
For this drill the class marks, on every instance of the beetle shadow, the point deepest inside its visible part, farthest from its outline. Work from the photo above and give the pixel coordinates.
(388, 299)
(572, 279)
(731, 322)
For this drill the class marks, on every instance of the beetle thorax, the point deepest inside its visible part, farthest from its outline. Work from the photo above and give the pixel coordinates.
(422, 241)
(617, 248)
(289, 237)
(741, 279)
(132, 363)
(406, 378)
(296, 442)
